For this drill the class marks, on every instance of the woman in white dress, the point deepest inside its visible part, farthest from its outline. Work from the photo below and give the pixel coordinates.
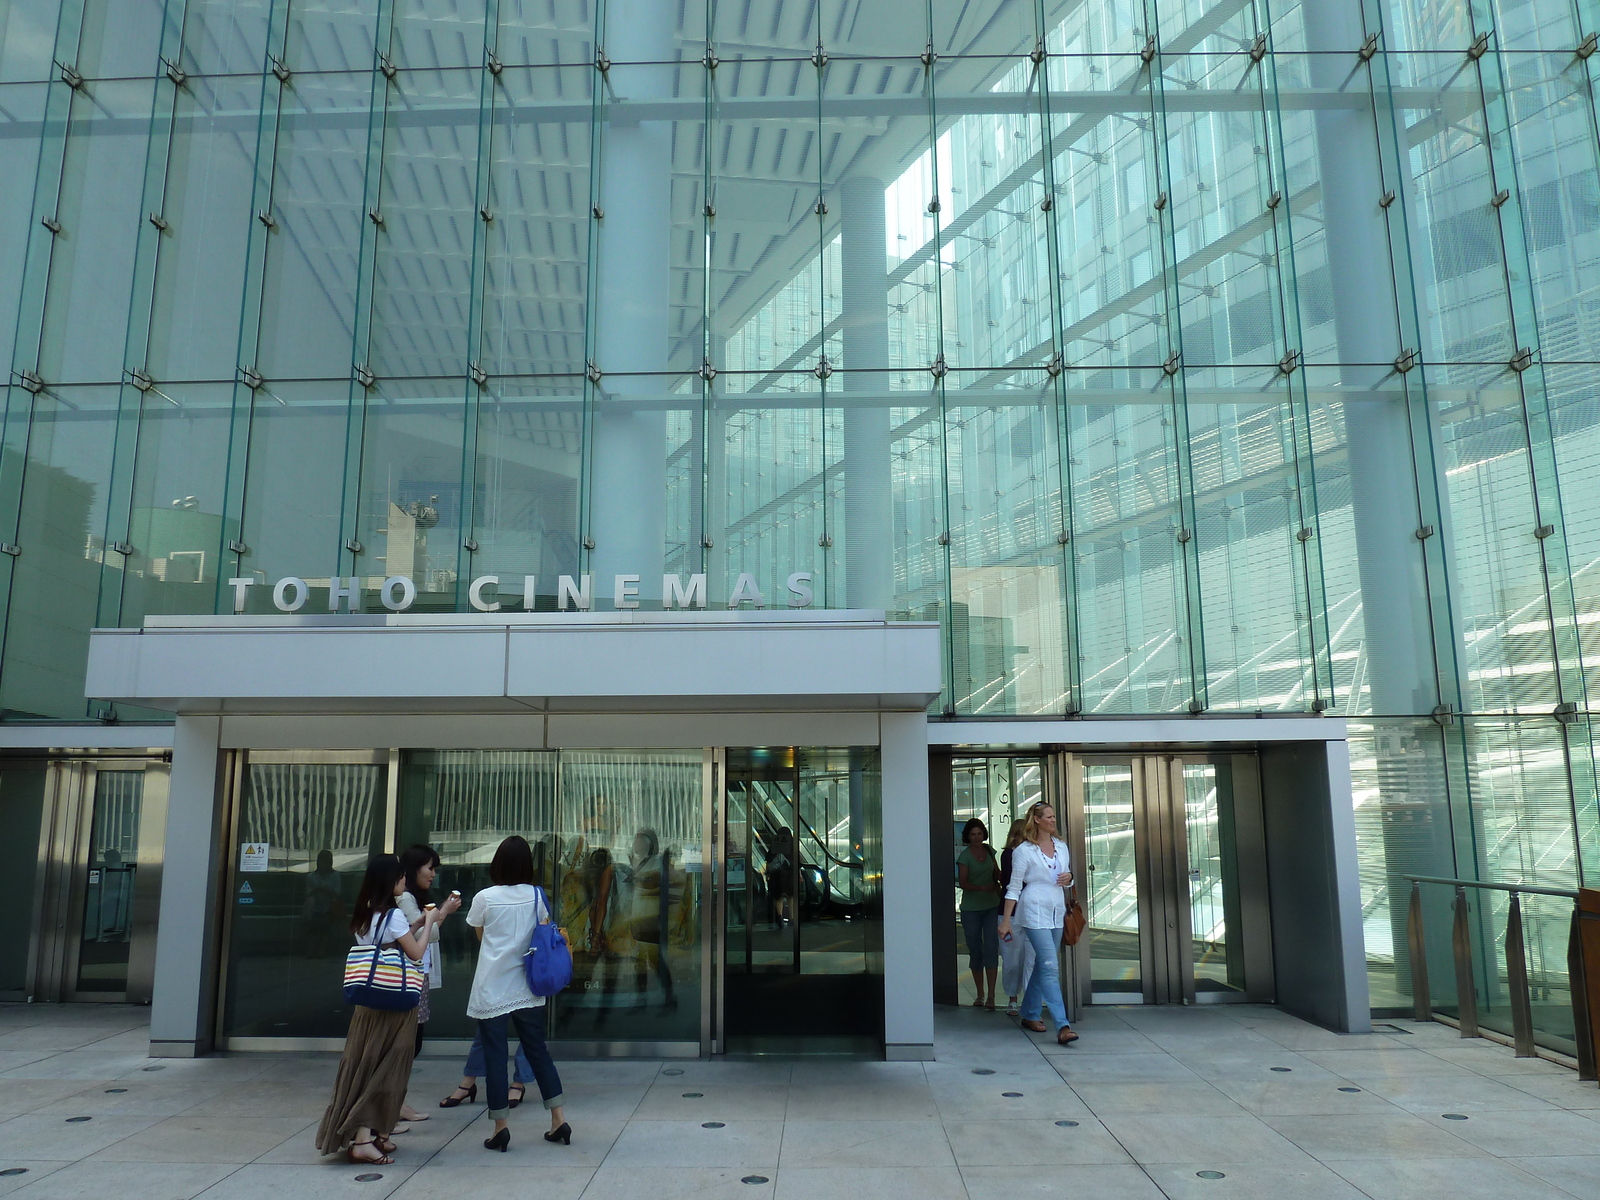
(504, 916)
(1041, 870)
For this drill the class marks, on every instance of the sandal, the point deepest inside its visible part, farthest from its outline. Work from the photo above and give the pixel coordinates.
(1034, 1026)
(978, 1003)
(470, 1095)
(1066, 1036)
(383, 1160)
(383, 1143)
(521, 1090)
(990, 1004)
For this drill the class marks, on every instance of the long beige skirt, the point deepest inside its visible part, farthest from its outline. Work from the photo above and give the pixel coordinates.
(373, 1074)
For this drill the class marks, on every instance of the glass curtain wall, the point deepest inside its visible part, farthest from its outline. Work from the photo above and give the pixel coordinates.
(1176, 355)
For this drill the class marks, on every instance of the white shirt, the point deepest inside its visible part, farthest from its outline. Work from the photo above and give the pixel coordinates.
(385, 928)
(507, 916)
(1041, 901)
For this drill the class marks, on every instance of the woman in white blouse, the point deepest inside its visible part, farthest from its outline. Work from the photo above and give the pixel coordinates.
(504, 916)
(1041, 868)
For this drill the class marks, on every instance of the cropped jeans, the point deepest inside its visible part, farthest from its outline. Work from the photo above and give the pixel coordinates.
(474, 1068)
(529, 1023)
(1044, 984)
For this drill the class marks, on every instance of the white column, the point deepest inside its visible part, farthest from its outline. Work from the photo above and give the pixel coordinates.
(1352, 947)
(907, 901)
(182, 1002)
(627, 464)
(864, 296)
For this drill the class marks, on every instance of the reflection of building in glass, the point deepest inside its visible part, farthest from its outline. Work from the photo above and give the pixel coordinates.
(1177, 357)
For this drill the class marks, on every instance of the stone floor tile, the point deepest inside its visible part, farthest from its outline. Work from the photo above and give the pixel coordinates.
(1371, 1135)
(1290, 1096)
(1525, 1134)
(94, 1180)
(1091, 1181)
(685, 1183)
(1566, 1090)
(739, 1145)
(28, 1095)
(78, 1064)
(880, 1183)
(1304, 1180)
(54, 1137)
(456, 1181)
(1182, 1139)
(1446, 1179)
(22, 1058)
(199, 1139)
(264, 1098)
(1180, 1099)
(847, 1101)
(331, 1180)
(989, 1101)
(865, 1144)
(591, 1142)
(1579, 1175)
(1106, 1041)
(673, 1100)
(1033, 1143)
(1119, 1068)
(1435, 1094)
(33, 1170)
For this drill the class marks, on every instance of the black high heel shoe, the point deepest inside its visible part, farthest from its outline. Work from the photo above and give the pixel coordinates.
(499, 1141)
(455, 1101)
(562, 1135)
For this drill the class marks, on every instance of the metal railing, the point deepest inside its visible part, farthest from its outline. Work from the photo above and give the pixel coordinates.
(1519, 994)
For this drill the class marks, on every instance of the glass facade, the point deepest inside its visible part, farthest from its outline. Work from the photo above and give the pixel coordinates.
(1175, 355)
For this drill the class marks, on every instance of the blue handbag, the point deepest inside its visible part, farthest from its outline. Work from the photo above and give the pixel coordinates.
(547, 962)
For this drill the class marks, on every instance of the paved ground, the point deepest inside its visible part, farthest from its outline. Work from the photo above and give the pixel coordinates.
(1178, 1103)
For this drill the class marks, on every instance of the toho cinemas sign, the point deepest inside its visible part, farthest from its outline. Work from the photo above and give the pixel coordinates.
(398, 593)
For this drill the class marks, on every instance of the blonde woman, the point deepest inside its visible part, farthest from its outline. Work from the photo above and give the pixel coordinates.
(1016, 956)
(1041, 871)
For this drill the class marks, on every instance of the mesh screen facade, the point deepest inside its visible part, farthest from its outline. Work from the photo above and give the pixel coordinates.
(1176, 355)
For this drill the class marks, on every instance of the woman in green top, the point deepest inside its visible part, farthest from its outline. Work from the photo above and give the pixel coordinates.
(979, 881)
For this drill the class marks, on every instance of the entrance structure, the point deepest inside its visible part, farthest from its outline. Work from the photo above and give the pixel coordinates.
(341, 691)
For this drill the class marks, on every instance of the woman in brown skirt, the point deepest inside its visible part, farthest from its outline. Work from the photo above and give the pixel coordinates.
(376, 1066)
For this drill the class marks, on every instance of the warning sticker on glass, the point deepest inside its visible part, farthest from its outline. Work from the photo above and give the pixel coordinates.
(253, 856)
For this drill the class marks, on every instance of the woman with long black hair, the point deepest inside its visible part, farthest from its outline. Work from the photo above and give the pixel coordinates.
(375, 1068)
(421, 865)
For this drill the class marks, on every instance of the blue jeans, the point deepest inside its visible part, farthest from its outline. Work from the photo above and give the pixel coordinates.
(1044, 985)
(983, 938)
(474, 1067)
(529, 1024)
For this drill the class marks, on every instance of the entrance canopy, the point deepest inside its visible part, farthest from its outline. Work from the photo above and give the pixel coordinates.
(635, 662)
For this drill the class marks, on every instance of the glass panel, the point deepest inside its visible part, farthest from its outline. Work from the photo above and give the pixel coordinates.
(997, 791)
(804, 918)
(321, 823)
(632, 894)
(463, 803)
(27, 38)
(121, 38)
(55, 584)
(1213, 877)
(21, 106)
(112, 863)
(21, 818)
(332, 35)
(225, 36)
(1112, 907)
(438, 33)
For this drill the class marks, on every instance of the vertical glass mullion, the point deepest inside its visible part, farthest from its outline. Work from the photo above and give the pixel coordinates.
(937, 367)
(361, 380)
(34, 289)
(247, 379)
(477, 381)
(1072, 666)
(135, 384)
(1180, 459)
(1308, 510)
(591, 382)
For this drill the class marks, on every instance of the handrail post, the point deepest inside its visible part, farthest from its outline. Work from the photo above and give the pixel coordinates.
(1517, 981)
(1417, 942)
(1461, 943)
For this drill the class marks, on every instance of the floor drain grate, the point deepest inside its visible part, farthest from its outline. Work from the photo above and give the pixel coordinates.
(983, 1070)
(1281, 1070)
(78, 1120)
(1210, 1174)
(1349, 1089)
(156, 1068)
(755, 1179)
(1383, 1027)
(14, 1171)
(1454, 1116)
(1011, 1095)
(115, 1091)
(673, 1071)
(694, 1095)
(712, 1125)
(1067, 1124)
(369, 1177)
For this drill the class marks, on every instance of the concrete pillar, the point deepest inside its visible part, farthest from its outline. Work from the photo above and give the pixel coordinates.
(182, 1004)
(864, 296)
(627, 464)
(907, 908)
